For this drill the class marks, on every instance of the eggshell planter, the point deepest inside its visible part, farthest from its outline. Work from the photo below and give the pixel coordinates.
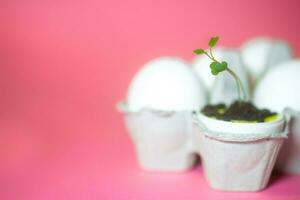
(238, 156)
(163, 140)
(289, 157)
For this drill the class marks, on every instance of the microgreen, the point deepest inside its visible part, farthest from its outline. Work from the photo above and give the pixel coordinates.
(199, 51)
(220, 66)
(213, 41)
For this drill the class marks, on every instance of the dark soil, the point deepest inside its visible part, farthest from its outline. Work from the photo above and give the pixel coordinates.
(241, 111)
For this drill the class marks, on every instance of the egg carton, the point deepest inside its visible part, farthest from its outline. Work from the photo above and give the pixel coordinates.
(233, 158)
(163, 140)
(170, 141)
(276, 91)
(289, 158)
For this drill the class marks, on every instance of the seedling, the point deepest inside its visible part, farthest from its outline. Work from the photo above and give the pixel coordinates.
(221, 66)
(239, 111)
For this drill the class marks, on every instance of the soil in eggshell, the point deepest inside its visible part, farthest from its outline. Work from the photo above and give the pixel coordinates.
(240, 112)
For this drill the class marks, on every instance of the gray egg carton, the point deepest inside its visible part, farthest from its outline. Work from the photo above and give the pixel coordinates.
(171, 141)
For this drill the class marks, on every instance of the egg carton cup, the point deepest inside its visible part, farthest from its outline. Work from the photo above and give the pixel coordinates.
(163, 140)
(289, 156)
(235, 156)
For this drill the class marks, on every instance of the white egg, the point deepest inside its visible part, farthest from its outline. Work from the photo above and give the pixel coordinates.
(279, 89)
(222, 87)
(259, 54)
(166, 83)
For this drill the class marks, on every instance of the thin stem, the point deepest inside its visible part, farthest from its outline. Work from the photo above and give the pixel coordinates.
(243, 89)
(239, 85)
(209, 56)
(210, 51)
(238, 81)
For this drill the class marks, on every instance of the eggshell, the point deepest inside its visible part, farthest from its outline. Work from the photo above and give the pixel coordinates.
(279, 89)
(222, 87)
(259, 54)
(166, 83)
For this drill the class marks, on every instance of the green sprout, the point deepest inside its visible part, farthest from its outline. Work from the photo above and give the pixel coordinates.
(217, 67)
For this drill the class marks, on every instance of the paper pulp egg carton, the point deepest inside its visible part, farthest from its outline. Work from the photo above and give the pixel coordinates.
(163, 140)
(289, 156)
(236, 156)
(277, 91)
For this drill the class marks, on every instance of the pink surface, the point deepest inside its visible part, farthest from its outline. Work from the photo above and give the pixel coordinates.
(65, 64)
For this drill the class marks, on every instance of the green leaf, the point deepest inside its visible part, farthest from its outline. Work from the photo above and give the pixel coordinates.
(213, 41)
(213, 65)
(199, 51)
(217, 67)
(214, 72)
(224, 65)
(214, 68)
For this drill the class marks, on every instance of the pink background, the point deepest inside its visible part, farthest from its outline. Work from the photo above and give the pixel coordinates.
(65, 64)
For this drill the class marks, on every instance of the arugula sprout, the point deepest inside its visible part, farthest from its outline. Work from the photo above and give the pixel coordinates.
(218, 67)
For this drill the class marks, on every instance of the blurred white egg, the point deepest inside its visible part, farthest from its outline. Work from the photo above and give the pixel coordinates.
(259, 54)
(166, 83)
(222, 87)
(279, 88)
